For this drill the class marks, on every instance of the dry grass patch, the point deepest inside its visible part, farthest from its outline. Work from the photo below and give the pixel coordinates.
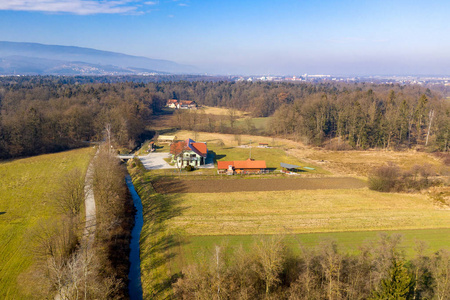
(219, 111)
(231, 140)
(304, 211)
(360, 163)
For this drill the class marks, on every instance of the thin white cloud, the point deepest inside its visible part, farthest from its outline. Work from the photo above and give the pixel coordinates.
(151, 2)
(183, 4)
(80, 7)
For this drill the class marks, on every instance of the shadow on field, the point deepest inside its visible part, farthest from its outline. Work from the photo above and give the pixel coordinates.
(161, 241)
(2, 212)
(220, 156)
(169, 186)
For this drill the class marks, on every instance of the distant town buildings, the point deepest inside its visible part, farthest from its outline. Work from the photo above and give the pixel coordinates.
(403, 80)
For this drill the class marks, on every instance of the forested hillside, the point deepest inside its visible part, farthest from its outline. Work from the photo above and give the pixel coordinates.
(46, 114)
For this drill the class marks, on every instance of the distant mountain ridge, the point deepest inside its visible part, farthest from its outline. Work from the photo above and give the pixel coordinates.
(39, 59)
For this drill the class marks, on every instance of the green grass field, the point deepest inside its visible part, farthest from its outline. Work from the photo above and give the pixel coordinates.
(24, 203)
(306, 211)
(272, 156)
(260, 124)
(348, 242)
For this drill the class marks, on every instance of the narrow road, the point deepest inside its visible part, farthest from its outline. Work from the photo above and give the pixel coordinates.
(89, 203)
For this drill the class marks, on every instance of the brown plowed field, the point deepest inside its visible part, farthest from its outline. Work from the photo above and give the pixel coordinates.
(253, 185)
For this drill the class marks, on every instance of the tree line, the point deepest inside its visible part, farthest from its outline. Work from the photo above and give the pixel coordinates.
(46, 114)
(269, 270)
(357, 115)
(344, 115)
(405, 118)
(72, 268)
(41, 117)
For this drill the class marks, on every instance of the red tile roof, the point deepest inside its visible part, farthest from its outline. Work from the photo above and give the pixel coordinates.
(242, 164)
(186, 102)
(178, 147)
(223, 165)
(172, 101)
(201, 148)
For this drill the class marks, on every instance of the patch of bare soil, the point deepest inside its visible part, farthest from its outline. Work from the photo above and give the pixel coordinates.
(166, 186)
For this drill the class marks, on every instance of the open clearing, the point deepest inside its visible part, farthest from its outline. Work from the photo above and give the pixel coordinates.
(305, 211)
(256, 185)
(233, 139)
(361, 163)
(219, 111)
(25, 203)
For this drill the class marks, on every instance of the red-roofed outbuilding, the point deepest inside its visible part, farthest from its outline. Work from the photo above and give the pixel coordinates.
(248, 166)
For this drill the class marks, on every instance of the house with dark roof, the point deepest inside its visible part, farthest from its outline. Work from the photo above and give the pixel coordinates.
(189, 153)
(249, 166)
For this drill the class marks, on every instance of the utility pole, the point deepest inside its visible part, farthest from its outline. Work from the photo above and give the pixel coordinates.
(250, 149)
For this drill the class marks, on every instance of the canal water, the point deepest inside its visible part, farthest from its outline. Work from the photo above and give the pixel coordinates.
(134, 277)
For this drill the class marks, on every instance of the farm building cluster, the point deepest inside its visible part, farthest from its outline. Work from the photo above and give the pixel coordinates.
(194, 154)
(181, 104)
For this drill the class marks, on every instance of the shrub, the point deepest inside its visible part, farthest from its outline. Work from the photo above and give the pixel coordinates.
(189, 168)
(384, 178)
(391, 179)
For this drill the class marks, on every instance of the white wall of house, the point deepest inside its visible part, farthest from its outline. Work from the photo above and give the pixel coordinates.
(189, 158)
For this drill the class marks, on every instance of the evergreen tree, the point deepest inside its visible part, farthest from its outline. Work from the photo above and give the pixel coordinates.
(398, 284)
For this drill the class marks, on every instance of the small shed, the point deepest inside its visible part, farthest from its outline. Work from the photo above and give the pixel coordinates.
(289, 167)
(151, 146)
(166, 139)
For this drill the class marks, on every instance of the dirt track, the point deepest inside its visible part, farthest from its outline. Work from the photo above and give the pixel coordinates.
(254, 185)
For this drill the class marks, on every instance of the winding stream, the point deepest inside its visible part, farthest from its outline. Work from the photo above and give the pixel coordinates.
(134, 277)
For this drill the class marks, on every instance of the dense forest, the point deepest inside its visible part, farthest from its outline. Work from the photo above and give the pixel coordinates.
(46, 114)
(357, 115)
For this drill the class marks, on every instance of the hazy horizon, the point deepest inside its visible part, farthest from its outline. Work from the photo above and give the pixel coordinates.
(248, 37)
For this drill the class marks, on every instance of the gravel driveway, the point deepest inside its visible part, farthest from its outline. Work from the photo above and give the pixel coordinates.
(155, 161)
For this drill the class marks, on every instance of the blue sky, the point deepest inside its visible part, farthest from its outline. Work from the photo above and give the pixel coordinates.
(248, 37)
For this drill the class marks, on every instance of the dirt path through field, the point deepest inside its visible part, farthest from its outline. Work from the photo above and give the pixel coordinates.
(89, 202)
(255, 185)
